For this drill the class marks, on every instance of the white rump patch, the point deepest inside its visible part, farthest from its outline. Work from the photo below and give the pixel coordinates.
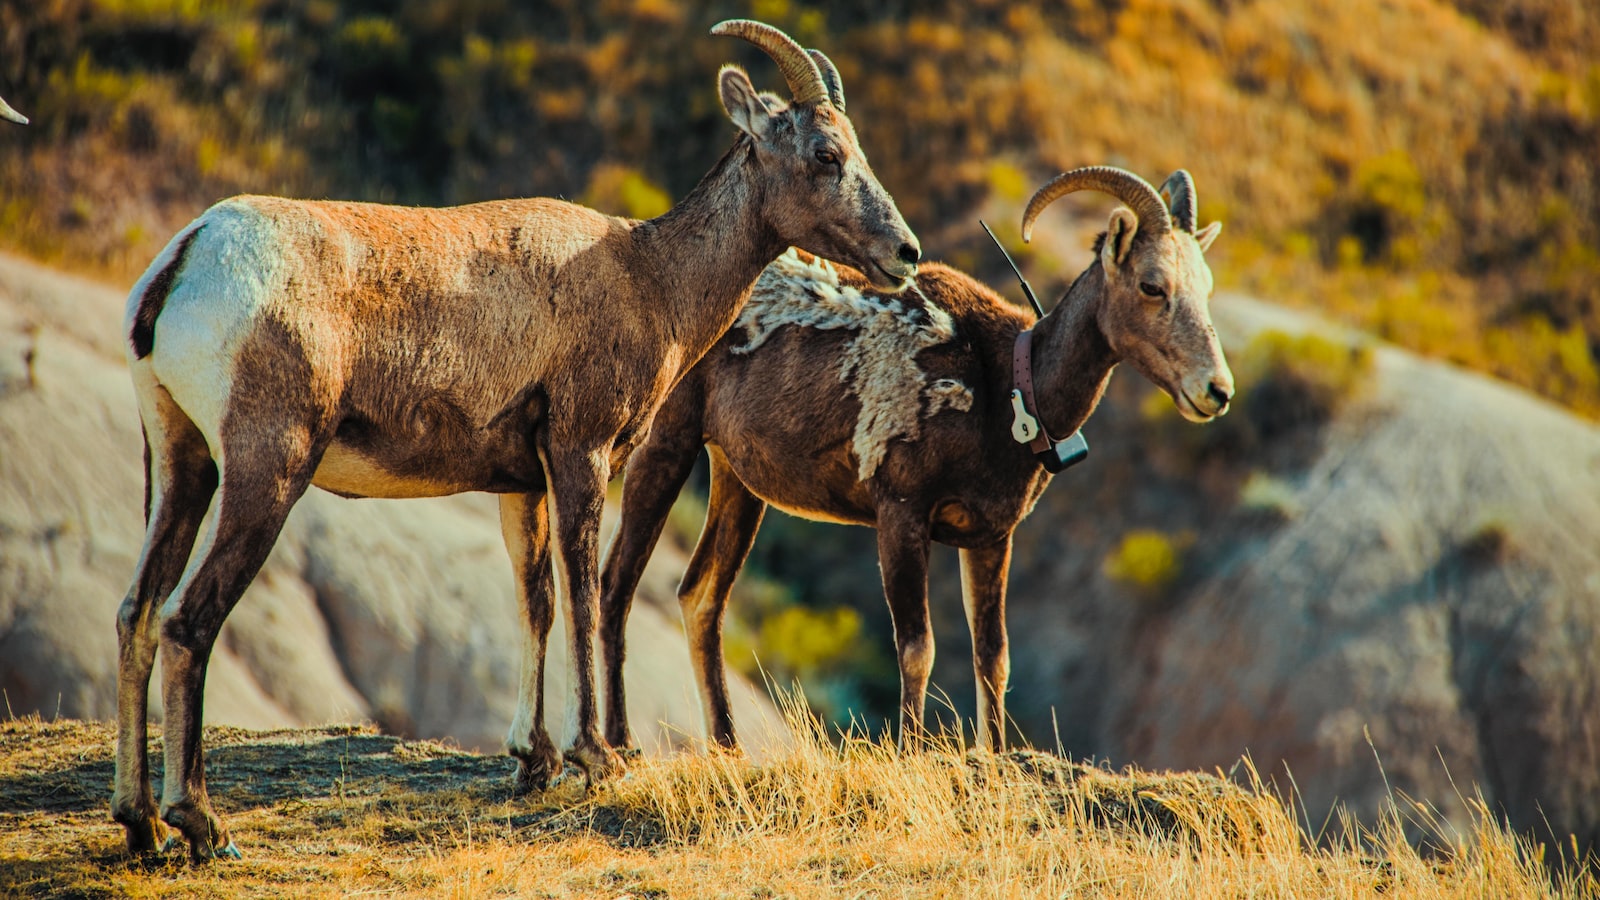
(880, 364)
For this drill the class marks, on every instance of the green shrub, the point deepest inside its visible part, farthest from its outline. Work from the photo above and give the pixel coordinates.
(1388, 211)
(798, 639)
(1290, 381)
(1008, 182)
(770, 634)
(370, 42)
(1146, 559)
(624, 191)
(164, 10)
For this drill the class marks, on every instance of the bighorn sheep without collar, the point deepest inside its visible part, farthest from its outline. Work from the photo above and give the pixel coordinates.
(520, 347)
(833, 402)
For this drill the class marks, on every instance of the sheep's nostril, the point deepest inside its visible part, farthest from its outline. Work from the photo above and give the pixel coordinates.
(1220, 394)
(910, 253)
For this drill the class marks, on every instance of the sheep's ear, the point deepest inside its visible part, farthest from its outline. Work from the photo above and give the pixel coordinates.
(1206, 235)
(745, 106)
(775, 104)
(1119, 237)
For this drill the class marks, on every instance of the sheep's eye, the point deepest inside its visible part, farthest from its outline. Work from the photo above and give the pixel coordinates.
(1152, 291)
(827, 157)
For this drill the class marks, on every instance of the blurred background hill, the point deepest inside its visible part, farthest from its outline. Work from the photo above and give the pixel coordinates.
(1307, 570)
(1422, 168)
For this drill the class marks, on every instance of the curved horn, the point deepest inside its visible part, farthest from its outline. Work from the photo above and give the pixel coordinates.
(805, 81)
(6, 112)
(1179, 189)
(1119, 183)
(830, 77)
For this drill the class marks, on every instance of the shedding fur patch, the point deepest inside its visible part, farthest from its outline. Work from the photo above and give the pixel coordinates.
(879, 364)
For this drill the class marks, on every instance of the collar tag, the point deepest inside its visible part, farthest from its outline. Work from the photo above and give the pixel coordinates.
(1024, 427)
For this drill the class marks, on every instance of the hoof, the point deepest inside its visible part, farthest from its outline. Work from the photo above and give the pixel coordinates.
(570, 775)
(146, 834)
(200, 854)
(172, 844)
(202, 829)
(630, 755)
(529, 779)
(598, 761)
(533, 770)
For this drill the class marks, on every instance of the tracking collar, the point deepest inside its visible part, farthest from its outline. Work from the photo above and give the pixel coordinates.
(1025, 426)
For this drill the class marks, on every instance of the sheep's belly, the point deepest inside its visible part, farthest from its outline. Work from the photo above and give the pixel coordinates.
(345, 472)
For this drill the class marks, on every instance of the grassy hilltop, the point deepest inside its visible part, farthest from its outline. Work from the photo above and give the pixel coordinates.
(346, 810)
(1423, 170)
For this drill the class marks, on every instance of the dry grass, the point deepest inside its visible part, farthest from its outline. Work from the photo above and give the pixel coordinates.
(346, 810)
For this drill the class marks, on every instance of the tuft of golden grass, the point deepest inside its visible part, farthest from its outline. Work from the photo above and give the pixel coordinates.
(344, 809)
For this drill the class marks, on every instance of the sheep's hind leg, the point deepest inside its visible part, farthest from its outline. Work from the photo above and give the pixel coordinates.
(180, 478)
(984, 574)
(525, 525)
(254, 500)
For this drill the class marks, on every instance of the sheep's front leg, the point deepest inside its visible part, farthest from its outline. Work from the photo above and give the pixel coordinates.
(656, 474)
(733, 516)
(525, 525)
(984, 572)
(577, 488)
(903, 556)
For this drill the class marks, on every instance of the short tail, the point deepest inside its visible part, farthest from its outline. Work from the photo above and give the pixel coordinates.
(143, 332)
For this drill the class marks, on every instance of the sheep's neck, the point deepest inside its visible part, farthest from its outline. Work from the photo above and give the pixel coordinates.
(1072, 361)
(708, 250)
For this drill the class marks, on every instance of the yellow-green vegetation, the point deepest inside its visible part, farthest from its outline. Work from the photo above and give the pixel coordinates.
(625, 192)
(1423, 169)
(771, 636)
(810, 638)
(1147, 559)
(1292, 380)
(344, 810)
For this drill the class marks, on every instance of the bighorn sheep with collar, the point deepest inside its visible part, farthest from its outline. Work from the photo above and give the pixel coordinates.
(520, 347)
(834, 402)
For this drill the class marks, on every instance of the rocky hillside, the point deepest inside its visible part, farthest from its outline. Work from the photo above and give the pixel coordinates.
(398, 612)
